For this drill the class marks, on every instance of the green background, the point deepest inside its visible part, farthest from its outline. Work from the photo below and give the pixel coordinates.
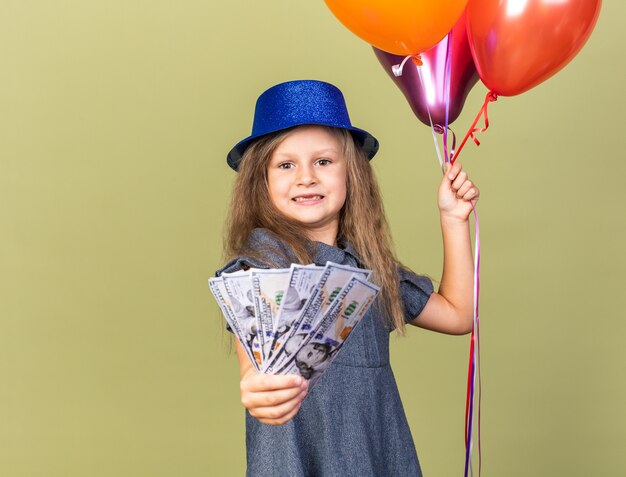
(115, 118)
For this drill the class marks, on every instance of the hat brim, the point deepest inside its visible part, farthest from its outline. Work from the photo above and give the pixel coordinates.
(367, 142)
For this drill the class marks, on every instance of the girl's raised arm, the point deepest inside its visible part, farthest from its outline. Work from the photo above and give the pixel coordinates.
(451, 309)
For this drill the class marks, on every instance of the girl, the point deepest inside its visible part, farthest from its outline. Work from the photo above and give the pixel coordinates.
(306, 193)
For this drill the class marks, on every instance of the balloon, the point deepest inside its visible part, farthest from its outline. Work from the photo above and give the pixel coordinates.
(402, 27)
(432, 97)
(517, 44)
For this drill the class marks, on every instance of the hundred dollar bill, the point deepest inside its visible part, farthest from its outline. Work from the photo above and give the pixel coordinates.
(313, 352)
(332, 281)
(302, 281)
(331, 285)
(248, 340)
(268, 287)
(239, 288)
(346, 311)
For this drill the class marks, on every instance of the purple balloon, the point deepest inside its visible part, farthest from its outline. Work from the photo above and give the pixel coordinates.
(432, 96)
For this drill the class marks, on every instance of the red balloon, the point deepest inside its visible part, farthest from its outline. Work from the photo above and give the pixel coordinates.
(432, 97)
(517, 44)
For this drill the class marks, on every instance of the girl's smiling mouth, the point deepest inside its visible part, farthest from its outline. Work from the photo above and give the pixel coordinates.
(308, 198)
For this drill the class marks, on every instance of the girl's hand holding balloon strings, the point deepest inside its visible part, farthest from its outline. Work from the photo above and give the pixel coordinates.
(457, 194)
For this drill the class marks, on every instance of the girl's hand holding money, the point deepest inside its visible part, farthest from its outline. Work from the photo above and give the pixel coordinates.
(272, 399)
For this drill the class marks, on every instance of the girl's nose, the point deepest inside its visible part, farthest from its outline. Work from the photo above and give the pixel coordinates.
(306, 175)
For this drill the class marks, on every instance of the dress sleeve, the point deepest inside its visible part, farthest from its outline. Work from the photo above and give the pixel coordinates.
(240, 263)
(415, 290)
(261, 243)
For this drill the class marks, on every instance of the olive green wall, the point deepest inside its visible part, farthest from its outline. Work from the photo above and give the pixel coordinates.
(115, 118)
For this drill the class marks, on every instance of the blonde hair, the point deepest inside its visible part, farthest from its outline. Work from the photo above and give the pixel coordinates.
(362, 221)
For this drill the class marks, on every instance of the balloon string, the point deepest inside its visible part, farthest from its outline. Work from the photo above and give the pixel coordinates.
(439, 129)
(474, 365)
(432, 126)
(477, 327)
(446, 86)
(469, 388)
(474, 358)
(491, 96)
(469, 406)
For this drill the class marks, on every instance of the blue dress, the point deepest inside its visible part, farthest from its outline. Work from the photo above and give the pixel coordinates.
(352, 422)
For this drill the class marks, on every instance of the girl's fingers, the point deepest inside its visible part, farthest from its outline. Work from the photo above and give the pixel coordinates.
(270, 398)
(279, 412)
(452, 170)
(472, 194)
(467, 185)
(259, 382)
(286, 418)
(459, 180)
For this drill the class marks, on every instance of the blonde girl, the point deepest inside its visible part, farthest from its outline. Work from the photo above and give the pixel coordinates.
(305, 193)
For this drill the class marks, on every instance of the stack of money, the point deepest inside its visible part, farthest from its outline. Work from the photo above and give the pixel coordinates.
(294, 320)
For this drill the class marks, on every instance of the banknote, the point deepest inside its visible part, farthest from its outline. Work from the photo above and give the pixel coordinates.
(239, 288)
(347, 310)
(331, 282)
(311, 353)
(269, 288)
(247, 339)
(294, 320)
(302, 281)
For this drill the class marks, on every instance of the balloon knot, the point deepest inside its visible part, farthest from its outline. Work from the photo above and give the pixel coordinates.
(438, 128)
(397, 69)
(491, 96)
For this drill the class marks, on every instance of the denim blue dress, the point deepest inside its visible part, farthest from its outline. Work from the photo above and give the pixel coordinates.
(352, 422)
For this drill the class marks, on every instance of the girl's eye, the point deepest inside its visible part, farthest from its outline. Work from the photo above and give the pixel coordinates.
(285, 165)
(324, 162)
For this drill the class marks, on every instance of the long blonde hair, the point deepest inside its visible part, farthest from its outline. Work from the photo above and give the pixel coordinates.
(362, 221)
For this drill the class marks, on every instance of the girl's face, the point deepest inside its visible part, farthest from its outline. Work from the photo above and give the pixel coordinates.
(307, 180)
